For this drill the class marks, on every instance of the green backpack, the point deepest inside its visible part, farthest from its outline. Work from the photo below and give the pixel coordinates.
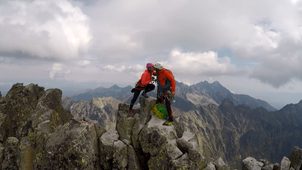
(160, 111)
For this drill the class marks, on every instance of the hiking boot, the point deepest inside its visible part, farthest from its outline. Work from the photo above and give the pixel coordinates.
(145, 95)
(168, 123)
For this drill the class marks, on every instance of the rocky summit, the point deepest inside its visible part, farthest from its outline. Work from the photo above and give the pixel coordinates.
(38, 133)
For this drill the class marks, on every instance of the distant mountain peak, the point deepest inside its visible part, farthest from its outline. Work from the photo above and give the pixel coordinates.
(114, 86)
(217, 83)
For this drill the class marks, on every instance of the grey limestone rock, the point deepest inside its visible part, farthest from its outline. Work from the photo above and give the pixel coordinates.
(296, 158)
(11, 154)
(251, 163)
(285, 163)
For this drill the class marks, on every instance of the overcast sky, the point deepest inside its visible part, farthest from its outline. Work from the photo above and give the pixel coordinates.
(251, 47)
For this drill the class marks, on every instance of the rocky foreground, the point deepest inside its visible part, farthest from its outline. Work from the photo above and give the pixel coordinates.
(36, 132)
(293, 162)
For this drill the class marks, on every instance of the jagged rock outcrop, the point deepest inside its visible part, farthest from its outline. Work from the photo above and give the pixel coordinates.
(11, 154)
(296, 158)
(38, 133)
(155, 146)
(101, 110)
(34, 125)
(291, 163)
(250, 163)
(232, 131)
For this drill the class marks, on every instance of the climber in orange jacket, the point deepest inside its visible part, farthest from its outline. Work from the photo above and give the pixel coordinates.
(144, 83)
(165, 89)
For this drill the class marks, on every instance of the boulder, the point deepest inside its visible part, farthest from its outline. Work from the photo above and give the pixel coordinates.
(124, 123)
(251, 163)
(11, 154)
(120, 155)
(276, 166)
(184, 145)
(152, 140)
(124, 157)
(285, 164)
(210, 166)
(268, 167)
(164, 146)
(221, 165)
(71, 146)
(296, 158)
(142, 119)
(106, 143)
(1, 153)
(19, 103)
(50, 108)
(115, 154)
(187, 147)
(2, 118)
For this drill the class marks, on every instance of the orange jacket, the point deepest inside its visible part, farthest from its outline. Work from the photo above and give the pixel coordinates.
(145, 79)
(164, 75)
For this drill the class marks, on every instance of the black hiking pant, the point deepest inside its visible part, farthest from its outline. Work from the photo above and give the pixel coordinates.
(137, 91)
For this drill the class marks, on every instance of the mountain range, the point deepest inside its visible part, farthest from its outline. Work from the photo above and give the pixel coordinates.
(230, 126)
(187, 96)
(39, 130)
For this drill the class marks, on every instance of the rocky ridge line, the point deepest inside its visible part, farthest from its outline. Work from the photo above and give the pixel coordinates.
(293, 162)
(37, 133)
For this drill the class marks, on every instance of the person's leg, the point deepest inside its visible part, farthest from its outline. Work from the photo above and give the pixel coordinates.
(169, 109)
(134, 98)
(149, 88)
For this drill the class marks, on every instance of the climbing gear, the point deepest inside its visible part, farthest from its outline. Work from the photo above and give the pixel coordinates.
(165, 81)
(160, 111)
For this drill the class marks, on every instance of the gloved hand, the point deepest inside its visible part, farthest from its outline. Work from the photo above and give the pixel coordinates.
(170, 95)
(133, 90)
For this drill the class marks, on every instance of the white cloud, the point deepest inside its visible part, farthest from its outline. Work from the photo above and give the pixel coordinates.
(257, 33)
(124, 68)
(192, 64)
(260, 42)
(58, 71)
(45, 29)
(218, 38)
(84, 63)
(294, 1)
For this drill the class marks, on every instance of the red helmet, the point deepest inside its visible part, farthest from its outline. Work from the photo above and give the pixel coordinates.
(149, 65)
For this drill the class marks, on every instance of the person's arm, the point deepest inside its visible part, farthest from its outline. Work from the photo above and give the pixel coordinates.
(170, 77)
(145, 79)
